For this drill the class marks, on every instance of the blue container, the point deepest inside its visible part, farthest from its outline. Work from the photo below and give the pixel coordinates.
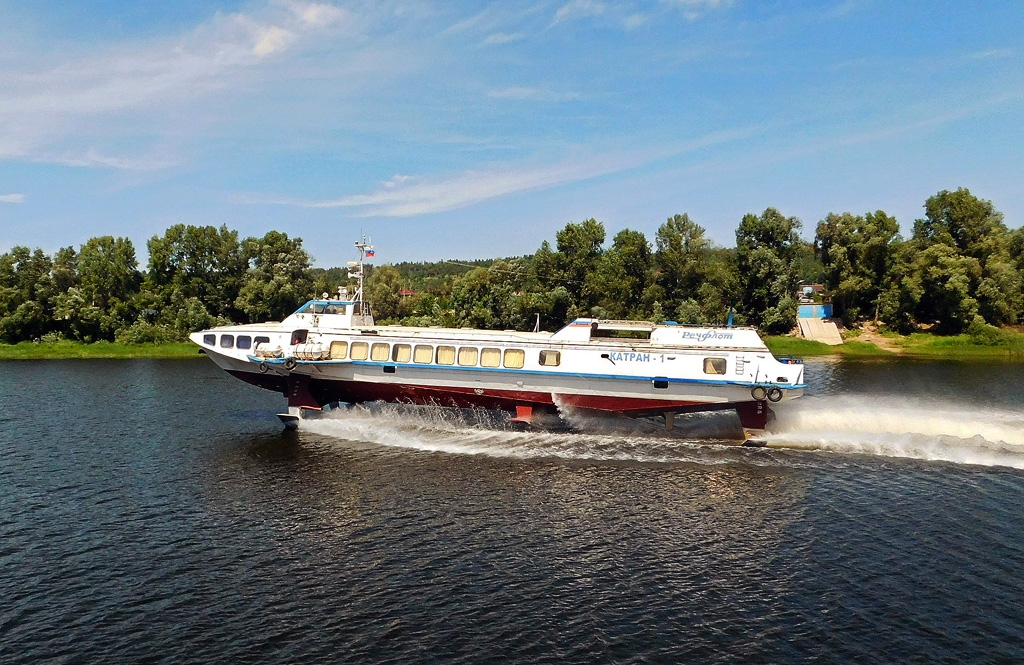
(815, 311)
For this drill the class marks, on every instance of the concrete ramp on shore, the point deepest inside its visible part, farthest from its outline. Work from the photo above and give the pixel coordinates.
(820, 330)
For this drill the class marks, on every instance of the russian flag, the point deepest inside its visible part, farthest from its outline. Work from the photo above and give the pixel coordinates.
(369, 253)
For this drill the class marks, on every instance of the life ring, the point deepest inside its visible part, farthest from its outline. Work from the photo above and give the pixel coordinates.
(774, 394)
(758, 393)
(264, 368)
(290, 364)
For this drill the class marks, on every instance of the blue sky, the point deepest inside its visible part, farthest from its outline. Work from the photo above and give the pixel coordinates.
(471, 130)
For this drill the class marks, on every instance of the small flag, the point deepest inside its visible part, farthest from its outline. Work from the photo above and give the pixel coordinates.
(369, 253)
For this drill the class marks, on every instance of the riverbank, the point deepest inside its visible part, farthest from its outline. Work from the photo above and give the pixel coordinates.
(921, 345)
(1008, 346)
(66, 349)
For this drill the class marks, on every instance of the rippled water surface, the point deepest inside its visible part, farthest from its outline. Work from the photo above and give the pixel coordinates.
(153, 511)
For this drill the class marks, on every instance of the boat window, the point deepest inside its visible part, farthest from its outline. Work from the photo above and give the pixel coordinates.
(423, 354)
(514, 358)
(262, 340)
(714, 365)
(299, 336)
(339, 350)
(380, 351)
(550, 358)
(468, 356)
(335, 309)
(401, 353)
(244, 342)
(360, 350)
(446, 355)
(209, 340)
(227, 341)
(490, 358)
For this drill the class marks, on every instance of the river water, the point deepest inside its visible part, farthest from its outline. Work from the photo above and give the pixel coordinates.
(154, 512)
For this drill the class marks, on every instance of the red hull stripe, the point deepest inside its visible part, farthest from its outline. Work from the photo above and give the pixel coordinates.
(326, 391)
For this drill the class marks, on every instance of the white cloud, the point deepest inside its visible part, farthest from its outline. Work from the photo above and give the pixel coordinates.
(44, 107)
(502, 38)
(578, 9)
(634, 21)
(12, 198)
(273, 40)
(317, 14)
(990, 54)
(533, 94)
(695, 9)
(406, 196)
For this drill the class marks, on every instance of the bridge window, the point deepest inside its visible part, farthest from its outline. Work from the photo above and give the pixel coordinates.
(490, 358)
(339, 350)
(514, 358)
(714, 365)
(468, 356)
(401, 353)
(446, 355)
(380, 351)
(209, 340)
(227, 341)
(423, 354)
(550, 358)
(360, 350)
(244, 342)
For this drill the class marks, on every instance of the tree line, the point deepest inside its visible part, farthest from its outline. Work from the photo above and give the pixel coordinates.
(962, 268)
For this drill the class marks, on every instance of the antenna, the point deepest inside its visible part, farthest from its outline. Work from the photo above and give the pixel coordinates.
(355, 269)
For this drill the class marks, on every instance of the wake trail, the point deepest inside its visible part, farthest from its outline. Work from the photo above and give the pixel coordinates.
(917, 428)
(900, 427)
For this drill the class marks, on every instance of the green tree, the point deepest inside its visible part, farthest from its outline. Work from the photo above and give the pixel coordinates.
(681, 259)
(766, 251)
(383, 290)
(963, 251)
(622, 274)
(579, 249)
(200, 262)
(859, 255)
(279, 277)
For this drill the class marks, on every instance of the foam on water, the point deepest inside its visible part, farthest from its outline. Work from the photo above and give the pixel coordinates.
(917, 428)
(489, 433)
(850, 424)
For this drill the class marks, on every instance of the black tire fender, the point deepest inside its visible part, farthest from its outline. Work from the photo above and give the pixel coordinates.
(290, 364)
(758, 393)
(774, 394)
(264, 368)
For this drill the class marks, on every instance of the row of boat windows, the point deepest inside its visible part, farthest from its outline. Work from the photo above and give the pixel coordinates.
(424, 354)
(232, 342)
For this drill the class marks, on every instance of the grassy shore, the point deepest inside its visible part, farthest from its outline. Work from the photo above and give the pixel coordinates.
(918, 345)
(39, 351)
(1010, 346)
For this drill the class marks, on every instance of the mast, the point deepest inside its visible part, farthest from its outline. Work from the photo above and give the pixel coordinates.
(355, 268)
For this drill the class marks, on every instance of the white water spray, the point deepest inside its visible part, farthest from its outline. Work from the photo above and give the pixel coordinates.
(851, 424)
(963, 433)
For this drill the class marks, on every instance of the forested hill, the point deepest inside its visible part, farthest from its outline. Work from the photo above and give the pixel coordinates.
(961, 268)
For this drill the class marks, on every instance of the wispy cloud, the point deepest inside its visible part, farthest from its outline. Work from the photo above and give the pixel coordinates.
(578, 9)
(42, 105)
(990, 54)
(502, 38)
(406, 196)
(12, 198)
(695, 9)
(634, 21)
(534, 94)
